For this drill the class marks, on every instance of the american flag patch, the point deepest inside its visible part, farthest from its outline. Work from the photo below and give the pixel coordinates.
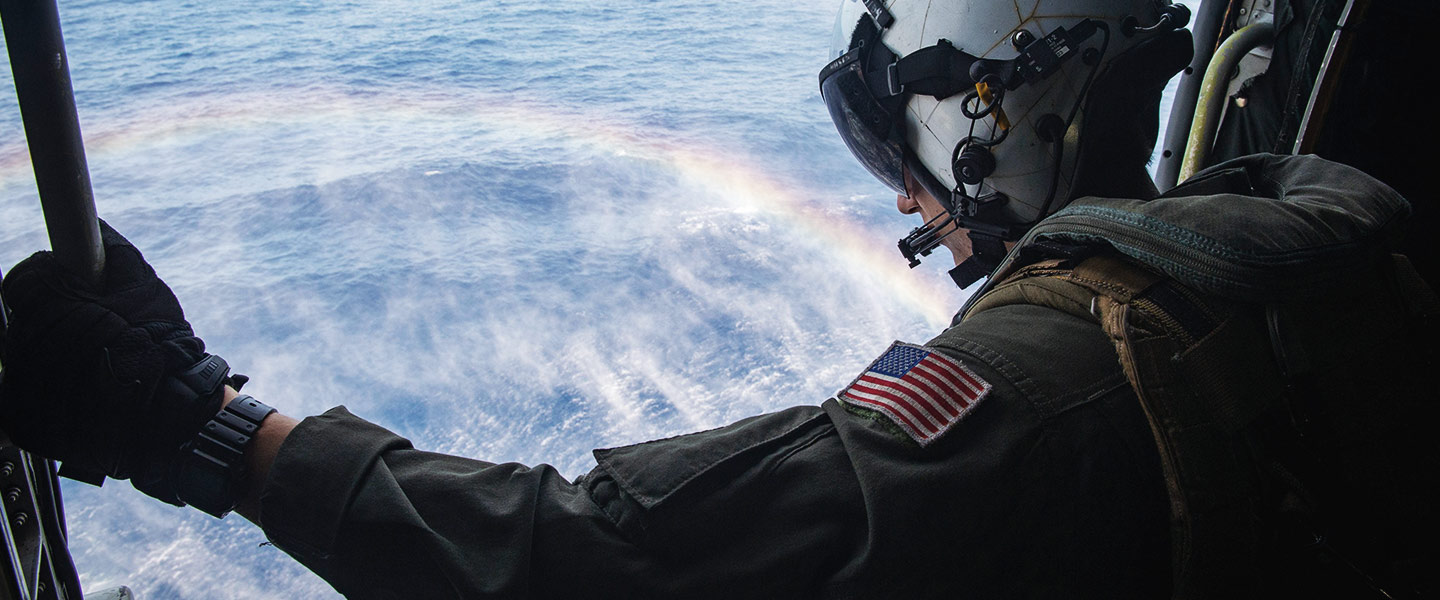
(922, 391)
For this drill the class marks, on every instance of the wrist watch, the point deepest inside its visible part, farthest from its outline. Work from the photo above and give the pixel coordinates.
(213, 464)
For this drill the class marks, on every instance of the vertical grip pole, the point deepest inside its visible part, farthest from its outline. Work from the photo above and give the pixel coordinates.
(52, 130)
(38, 556)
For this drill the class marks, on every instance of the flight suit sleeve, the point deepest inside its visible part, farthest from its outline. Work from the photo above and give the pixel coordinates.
(1050, 489)
(768, 503)
(376, 518)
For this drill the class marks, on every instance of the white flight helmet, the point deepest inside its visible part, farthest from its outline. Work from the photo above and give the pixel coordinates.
(978, 99)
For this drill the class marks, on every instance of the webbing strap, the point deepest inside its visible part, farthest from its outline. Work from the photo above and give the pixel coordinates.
(1068, 287)
(1053, 292)
(940, 71)
(1196, 403)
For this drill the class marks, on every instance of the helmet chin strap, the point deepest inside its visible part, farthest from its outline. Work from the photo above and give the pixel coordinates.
(986, 252)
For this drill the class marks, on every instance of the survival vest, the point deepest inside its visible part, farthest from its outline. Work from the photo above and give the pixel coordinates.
(1285, 360)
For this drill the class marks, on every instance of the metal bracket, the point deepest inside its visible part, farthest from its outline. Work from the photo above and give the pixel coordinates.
(37, 563)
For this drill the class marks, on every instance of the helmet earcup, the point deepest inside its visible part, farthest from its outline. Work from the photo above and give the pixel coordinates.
(973, 164)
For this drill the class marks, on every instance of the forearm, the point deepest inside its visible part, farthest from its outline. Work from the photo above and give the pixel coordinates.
(259, 457)
(360, 507)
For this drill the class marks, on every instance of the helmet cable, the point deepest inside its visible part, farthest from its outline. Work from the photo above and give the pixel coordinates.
(1054, 132)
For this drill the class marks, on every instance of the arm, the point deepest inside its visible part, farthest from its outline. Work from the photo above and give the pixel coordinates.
(259, 457)
(111, 381)
(90, 380)
(765, 508)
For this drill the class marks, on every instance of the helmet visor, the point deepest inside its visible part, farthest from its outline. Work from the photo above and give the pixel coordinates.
(866, 125)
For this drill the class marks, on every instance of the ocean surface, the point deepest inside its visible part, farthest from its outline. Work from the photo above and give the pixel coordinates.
(512, 230)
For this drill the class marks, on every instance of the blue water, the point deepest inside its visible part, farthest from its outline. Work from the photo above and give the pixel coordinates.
(511, 230)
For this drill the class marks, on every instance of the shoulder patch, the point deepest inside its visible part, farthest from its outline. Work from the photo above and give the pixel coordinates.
(923, 391)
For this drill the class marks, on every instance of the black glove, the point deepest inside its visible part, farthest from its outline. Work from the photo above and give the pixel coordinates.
(110, 381)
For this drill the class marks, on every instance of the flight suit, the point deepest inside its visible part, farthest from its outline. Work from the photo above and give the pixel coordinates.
(1049, 487)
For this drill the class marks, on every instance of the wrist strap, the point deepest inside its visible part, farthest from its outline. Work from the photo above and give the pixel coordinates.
(200, 383)
(214, 462)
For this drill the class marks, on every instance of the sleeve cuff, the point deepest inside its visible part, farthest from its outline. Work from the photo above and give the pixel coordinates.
(315, 476)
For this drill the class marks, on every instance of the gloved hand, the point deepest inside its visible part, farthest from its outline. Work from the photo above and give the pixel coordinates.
(94, 377)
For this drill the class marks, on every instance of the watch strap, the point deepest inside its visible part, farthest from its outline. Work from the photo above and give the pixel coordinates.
(214, 461)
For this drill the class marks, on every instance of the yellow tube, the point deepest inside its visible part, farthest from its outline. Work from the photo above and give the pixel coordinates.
(1212, 93)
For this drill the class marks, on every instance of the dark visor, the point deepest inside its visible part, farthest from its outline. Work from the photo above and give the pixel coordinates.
(866, 125)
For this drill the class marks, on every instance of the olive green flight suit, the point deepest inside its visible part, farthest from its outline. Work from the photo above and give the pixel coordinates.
(1050, 487)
